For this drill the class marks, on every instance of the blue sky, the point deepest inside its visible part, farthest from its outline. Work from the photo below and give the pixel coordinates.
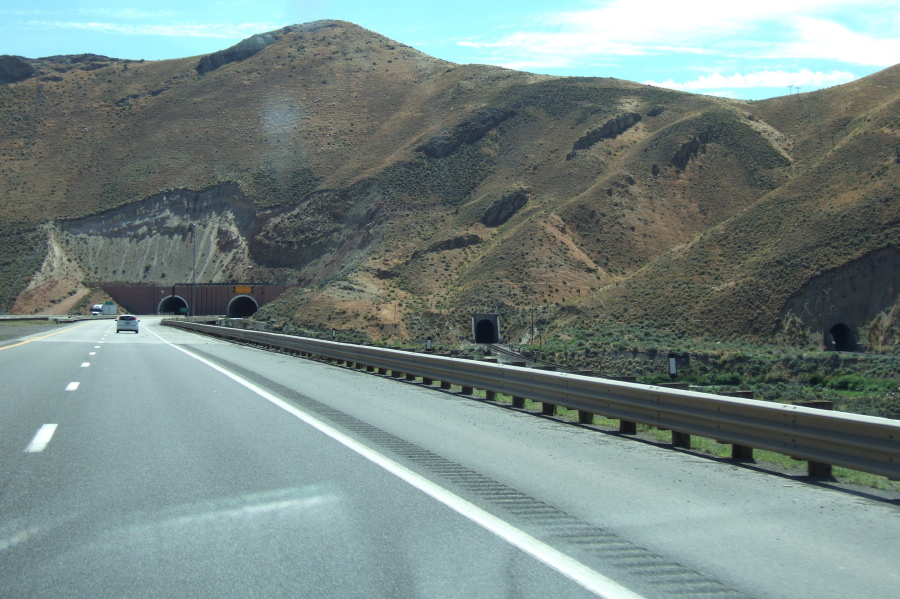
(749, 50)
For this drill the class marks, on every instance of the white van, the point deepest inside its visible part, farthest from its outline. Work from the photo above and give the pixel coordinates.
(96, 309)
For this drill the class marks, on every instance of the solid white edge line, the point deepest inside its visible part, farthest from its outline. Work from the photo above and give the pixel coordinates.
(72, 386)
(562, 563)
(41, 438)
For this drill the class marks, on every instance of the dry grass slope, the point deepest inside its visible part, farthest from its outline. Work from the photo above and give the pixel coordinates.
(372, 167)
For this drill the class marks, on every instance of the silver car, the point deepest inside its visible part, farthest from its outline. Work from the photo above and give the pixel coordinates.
(127, 322)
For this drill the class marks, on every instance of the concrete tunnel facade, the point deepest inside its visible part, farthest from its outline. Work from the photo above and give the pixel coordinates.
(211, 299)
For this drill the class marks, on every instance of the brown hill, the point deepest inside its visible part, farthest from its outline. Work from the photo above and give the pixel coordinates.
(401, 191)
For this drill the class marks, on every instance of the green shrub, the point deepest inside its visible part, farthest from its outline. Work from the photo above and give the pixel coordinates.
(847, 382)
(727, 378)
(817, 380)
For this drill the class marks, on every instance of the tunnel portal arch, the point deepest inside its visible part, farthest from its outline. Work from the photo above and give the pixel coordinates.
(171, 304)
(841, 338)
(242, 306)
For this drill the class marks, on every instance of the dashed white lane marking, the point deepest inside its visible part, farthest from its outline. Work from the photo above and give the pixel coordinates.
(85, 364)
(72, 386)
(559, 561)
(93, 353)
(41, 438)
(96, 347)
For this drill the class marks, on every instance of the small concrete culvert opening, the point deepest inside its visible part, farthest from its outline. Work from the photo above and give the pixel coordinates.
(242, 306)
(172, 305)
(841, 338)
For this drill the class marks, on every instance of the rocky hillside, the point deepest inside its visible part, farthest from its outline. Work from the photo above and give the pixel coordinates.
(402, 192)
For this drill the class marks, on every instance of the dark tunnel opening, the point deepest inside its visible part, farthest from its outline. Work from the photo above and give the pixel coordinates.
(842, 338)
(484, 332)
(242, 307)
(172, 305)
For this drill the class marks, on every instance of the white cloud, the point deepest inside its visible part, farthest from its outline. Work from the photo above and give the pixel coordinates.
(126, 13)
(761, 29)
(717, 81)
(818, 38)
(214, 30)
(555, 62)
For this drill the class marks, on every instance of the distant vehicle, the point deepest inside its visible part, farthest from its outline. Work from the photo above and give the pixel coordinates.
(127, 322)
(96, 309)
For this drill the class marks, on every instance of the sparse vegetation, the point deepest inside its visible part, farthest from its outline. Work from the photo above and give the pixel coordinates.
(769, 196)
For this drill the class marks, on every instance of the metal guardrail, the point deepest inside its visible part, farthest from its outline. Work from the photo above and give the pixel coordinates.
(11, 318)
(534, 360)
(57, 318)
(865, 443)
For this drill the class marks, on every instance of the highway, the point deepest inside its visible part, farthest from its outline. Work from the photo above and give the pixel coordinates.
(167, 464)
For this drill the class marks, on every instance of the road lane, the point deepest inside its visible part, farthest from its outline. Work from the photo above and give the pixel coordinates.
(156, 461)
(164, 478)
(41, 438)
(766, 535)
(31, 379)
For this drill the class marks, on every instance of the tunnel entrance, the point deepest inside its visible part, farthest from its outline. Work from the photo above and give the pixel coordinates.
(841, 338)
(242, 306)
(486, 328)
(172, 304)
(484, 332)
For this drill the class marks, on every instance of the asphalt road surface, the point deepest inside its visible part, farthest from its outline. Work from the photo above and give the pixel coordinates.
(167, 464)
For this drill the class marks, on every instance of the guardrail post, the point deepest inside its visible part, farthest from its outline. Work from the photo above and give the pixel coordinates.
(585, 417)
(445, 384)
(467, 390)
(382, 371)
(370, 368)
(741, 453)
(396, 374)
(518, 402)
(490, 395)
(681, 439)
(547, 409)
(626, 427)
(817, 469)
(410, 377)
(426, 380)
